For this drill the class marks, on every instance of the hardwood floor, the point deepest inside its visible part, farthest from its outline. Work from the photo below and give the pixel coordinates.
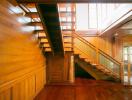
(85, 89)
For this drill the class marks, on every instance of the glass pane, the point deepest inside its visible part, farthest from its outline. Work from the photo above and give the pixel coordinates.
(130, 58)
(82, 16)
(104, 11)
(125, 69)
(125, 57)
(131, 68)
(68, 9)
(110, 8)
(69, 19)
(92, 16)
(109, 64)
(68, 27)
(62, 9)
(125, 50)
(63, 19)
(130, 50)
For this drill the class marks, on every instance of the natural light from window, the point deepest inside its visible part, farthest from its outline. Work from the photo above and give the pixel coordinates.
(92, 15)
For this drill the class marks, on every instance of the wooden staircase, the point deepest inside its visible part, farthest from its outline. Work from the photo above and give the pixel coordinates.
(98, 72)
(96, 62)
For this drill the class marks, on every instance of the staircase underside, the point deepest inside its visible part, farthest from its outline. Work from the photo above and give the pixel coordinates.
(81, 73)
(50, 19)
(98, 74)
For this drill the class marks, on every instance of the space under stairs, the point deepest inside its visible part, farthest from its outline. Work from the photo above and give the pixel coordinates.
(96, 62)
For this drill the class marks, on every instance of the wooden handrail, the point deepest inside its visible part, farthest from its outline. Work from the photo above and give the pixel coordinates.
(100, 51)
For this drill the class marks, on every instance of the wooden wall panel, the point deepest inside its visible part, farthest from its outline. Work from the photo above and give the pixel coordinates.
(22, 65)
(102, 42)
(6, 95)
(58, 67)
(55, 67)
(40, 80)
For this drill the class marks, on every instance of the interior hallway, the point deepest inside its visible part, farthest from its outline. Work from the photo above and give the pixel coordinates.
(85, 89)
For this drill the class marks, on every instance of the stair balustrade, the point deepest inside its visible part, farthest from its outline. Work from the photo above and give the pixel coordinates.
(96, 56)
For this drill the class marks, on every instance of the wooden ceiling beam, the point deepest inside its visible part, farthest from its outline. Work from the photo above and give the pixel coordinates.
(73, 1)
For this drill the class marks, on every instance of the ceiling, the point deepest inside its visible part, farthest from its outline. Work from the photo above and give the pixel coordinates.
(74, 1)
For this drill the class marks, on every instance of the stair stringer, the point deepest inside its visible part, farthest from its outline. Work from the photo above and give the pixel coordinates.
(93, 71)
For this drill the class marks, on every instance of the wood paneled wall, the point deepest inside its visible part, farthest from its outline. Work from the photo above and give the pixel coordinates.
(127, 40)
(22, 65)
(103, 42)
(109, 44)
(59, 67)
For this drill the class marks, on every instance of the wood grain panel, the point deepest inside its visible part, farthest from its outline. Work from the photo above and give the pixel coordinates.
(102, 42)
(22, 65)
(58, 67)
(6, 95)
(40, 80)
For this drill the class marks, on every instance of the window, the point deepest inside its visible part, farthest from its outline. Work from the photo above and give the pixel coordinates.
(82, 16)
(62, 9)
(63, 27)
(92, 16)
(68, 27)
(125, 53)
(69, 19)
(63, 19)
(69, 9)
(86, 16)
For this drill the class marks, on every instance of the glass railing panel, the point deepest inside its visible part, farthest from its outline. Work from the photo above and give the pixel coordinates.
(125, 73)
(106, 62)
(85, 48)
(90, 50)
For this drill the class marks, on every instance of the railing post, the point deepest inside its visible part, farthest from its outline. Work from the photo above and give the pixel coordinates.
(73, 25)
(129, 72)
(97, 56)
(122, 72)
(97, 51)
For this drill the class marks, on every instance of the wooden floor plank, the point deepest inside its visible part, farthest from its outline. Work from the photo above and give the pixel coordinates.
(85, 89)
